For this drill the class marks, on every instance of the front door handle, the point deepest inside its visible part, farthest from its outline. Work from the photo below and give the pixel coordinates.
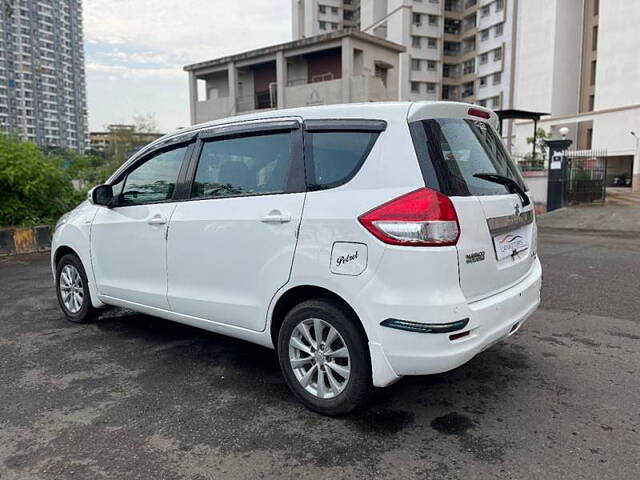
(157, 220)
(275, 216)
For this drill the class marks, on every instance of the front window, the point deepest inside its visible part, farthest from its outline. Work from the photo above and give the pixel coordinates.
(454, 149)
(154, 180)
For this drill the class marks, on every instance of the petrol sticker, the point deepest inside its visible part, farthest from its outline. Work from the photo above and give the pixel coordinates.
(348, 258)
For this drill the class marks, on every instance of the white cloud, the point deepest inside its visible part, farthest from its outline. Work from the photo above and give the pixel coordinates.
(143, 45)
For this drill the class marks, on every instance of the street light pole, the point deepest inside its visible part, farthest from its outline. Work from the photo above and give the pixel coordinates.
(635, 176)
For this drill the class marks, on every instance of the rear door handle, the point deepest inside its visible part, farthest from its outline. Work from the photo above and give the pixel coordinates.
(157, 220)
(275, 217)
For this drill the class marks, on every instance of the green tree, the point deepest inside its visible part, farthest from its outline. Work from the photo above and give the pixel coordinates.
(34, 188)
(541, 146)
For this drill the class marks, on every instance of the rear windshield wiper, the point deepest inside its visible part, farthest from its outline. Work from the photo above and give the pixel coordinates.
(510, 183)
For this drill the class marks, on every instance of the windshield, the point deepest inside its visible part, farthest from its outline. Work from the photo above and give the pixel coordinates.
(452, 150)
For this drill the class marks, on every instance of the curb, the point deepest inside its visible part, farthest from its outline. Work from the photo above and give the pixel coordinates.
(18, 241)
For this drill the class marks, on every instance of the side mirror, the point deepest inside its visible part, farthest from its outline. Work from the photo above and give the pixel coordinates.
(101, 195)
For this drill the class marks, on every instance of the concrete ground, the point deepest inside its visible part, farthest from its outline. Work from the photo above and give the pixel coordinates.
(618, 216)
(135, 397)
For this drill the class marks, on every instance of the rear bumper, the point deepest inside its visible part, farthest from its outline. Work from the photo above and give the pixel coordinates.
(490, 320)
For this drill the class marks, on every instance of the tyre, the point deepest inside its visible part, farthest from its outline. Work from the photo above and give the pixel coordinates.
(72, 289)
(324, 357)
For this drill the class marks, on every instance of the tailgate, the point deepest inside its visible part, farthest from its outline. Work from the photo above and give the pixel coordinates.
(496, 246)
(462, 156)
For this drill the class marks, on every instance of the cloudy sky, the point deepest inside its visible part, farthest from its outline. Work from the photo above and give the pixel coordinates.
(135, 51)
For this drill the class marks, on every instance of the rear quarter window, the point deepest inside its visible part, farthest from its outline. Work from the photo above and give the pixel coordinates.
(452, 150)
(334, 157)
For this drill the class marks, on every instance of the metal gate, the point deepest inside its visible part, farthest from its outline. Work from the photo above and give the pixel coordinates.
(586, 176)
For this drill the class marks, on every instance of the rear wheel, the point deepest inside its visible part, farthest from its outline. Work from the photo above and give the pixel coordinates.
(72, 289)
(324, 357)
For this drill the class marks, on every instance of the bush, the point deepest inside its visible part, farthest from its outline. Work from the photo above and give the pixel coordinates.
(34, 189)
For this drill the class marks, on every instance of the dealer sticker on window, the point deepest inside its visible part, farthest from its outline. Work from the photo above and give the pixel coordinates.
(511, 243)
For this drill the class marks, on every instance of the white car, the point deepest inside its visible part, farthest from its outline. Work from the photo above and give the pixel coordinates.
(363, 242)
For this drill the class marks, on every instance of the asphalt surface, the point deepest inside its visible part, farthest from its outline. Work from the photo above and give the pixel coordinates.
(131, 396)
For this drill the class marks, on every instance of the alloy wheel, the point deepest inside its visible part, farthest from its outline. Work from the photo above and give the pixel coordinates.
(71, 288)
(319, 357)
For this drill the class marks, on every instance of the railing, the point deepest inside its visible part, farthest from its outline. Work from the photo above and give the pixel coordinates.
(527, 164)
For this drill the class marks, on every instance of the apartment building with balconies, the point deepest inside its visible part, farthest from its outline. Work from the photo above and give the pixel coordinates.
(456, 49)
(316, 17)
(339, 67)
(42, 77)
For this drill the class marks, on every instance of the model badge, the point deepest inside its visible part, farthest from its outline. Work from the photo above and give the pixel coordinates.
(516, 207)
(475, 257)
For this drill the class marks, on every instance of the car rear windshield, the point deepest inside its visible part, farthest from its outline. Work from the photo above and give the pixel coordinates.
(452, 150)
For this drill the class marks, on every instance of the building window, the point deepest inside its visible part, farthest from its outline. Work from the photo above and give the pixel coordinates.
(592, 79)
(486, 10)
(467, 90)
(431, 65)
(334, 10)
(334, 26)
(482, 103)
(415, 64)
(495, 102)
(469, 66)
(484, 58)
(322, 8)
(323, 25)
(415, 87)
(499, 5)
(596, 7)
(484, 34)
(482, 82)
(497, 78)
(432, 42)
(415, 42)
(499, 29)
(431, 87)
(433, 20)
(416, 19)
(592, 100)
(497, 54)
(594, 38)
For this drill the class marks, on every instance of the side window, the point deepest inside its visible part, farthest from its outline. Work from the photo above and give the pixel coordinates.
(334, 157)
(247, 165)
(154, 180)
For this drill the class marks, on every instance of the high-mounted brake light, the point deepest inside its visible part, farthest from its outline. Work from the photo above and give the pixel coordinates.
(476, 112)
(421, 218)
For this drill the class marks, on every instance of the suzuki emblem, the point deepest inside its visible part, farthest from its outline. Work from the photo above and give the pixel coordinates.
(516, 207)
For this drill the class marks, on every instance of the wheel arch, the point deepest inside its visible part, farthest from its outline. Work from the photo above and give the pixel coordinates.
(61, 251)
(300, 293)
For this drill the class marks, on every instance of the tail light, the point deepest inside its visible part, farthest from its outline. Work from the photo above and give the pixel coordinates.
(422, 218)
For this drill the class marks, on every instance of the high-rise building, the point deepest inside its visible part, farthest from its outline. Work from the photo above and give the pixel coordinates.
(42, 78)
(315, 17)
(456, 49)
(578, 61)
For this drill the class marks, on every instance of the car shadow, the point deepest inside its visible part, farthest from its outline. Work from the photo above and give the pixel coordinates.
(252, 373)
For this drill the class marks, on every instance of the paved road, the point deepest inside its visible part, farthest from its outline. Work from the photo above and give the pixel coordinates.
(132, 396)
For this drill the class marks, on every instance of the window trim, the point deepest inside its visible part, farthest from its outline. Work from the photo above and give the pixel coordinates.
(374, 127)
(295, 175)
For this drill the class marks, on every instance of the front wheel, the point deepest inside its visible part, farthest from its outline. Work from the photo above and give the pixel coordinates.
(72, 289)
(324, 357)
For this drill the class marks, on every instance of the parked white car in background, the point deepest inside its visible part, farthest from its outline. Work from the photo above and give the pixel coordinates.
(363, 242)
